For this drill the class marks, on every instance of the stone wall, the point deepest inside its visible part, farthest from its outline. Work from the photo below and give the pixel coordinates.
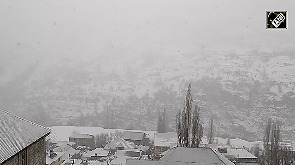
(36, 154)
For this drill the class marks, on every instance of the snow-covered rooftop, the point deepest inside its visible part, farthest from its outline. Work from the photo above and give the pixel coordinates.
(82, 136)
(133, 135)
(168, 139)
(239, 153)
(17, 133)
(120, 143)
(181, 155)
(141, 162)
(184, 156)
(50, 160)
(100, 152)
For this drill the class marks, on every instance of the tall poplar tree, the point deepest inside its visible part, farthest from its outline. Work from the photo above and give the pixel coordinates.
(188, 126)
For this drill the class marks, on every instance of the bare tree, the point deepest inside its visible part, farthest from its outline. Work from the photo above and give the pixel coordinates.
(102, 139)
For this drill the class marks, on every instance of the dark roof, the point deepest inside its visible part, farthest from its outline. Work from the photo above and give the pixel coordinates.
(129, 135)
(17, 133)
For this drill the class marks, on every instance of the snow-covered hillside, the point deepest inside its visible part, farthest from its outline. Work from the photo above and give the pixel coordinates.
(240, 91)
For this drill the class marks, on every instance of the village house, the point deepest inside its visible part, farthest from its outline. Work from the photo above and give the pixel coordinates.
(239, 155)
(138, 138)
(163, 142)
(22, 141)
(60, 152)
(119, 144)
(184, 156)
(54, 158)
(62, 146)
(97, 154)
(83, 140)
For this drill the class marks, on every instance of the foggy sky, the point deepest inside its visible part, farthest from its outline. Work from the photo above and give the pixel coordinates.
(101, 27)
(39, 38)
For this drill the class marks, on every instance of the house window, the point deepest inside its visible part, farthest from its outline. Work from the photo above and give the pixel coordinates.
(24, 158)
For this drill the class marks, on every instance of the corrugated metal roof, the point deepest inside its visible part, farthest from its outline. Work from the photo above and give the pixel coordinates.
(17, 133)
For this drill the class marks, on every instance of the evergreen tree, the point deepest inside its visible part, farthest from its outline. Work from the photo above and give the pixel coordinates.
(188, 126)
(266, 143)
(272, 150)
(164, 122)
(275, 143)
(228, 142)
(82, 120)
(211, 131)
(256, 152)
(161, 125)
(197, 128)
(184, 129)
(179, 128)
(113, 125)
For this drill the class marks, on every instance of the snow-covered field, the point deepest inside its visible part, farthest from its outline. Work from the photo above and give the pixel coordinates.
(62, 133)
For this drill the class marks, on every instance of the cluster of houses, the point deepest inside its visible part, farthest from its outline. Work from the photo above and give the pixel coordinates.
(80, 149)
(23, 142)
(135, 148)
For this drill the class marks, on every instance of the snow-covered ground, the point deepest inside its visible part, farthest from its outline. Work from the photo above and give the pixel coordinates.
(62, 133)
